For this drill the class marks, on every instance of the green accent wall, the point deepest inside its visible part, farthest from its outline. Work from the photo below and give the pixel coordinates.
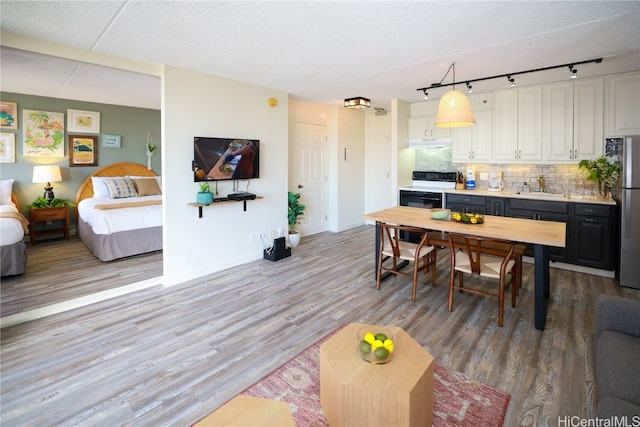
(131, 124)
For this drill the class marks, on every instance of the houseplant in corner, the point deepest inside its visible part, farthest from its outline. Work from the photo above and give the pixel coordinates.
(295, 211)
(603, 171)
(205, 196)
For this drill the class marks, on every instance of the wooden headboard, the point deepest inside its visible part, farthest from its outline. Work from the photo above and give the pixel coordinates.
(15, 201)
(115, 169)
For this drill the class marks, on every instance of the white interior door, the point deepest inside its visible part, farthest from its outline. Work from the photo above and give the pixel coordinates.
(378, 193)
(311, 173)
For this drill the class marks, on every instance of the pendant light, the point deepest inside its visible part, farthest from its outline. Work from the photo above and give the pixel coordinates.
(454, 109)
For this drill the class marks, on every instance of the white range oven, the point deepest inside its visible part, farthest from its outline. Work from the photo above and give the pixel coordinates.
(427, 192)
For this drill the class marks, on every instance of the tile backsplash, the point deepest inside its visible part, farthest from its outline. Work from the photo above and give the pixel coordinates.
(566, 179)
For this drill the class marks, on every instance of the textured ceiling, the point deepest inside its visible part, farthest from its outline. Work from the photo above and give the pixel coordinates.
(318, 51)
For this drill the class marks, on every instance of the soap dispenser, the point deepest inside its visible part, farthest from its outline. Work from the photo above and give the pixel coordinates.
(525, 187)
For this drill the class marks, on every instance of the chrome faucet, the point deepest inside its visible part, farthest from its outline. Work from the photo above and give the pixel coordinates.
(541, 183)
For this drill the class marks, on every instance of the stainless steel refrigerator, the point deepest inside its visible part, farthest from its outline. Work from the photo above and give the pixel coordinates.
(628, 200)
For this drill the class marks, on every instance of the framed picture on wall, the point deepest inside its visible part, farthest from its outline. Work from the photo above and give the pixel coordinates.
(83, 150)
(111, 141)
(83, 121)
(7, 147)
(42, 133)
(8, 115)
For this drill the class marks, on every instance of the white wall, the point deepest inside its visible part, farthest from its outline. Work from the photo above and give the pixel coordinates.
(196, 104)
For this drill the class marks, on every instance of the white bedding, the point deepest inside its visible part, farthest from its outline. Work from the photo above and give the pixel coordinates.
(110, 221)
(11, 230)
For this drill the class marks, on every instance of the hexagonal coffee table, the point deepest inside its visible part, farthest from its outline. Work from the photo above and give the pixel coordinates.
(357, 393)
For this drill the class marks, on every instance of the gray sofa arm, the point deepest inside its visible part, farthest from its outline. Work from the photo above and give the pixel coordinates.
(617, 314)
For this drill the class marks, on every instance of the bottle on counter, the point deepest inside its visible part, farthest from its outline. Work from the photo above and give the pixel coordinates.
(525, 187)
(471, 179)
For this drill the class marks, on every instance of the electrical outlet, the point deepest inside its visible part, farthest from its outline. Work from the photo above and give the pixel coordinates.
(484, 176)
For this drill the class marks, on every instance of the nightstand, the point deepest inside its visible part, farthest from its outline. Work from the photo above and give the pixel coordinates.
(49, 214)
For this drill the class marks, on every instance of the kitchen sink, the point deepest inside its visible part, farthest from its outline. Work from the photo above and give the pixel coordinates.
(544, 195)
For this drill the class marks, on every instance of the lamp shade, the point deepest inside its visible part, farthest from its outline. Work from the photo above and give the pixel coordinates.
(454, 110)
(50, 173)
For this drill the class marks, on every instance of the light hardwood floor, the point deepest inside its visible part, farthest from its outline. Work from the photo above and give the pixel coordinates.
(169, 356)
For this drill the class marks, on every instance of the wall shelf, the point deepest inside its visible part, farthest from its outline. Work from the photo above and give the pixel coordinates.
(221, 200)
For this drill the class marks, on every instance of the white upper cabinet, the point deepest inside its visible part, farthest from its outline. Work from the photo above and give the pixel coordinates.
(474, 143)
(623, 104)
(558, 121)
(518, 124)
(424, 127)
(588, 119)
(573, 120)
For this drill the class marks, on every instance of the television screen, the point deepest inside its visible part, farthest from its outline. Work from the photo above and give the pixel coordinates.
(225, 158)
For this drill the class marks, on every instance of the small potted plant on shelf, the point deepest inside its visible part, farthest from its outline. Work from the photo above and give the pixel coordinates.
(205, 196)
(295, 211)
(603, 171)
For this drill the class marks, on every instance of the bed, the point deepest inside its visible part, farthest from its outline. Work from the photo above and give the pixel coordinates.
(115, 220)
(13, 227)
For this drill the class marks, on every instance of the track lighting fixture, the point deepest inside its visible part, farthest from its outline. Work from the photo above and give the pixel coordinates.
(426, 94)
(469, 88)
(574, 72)
(509, 76)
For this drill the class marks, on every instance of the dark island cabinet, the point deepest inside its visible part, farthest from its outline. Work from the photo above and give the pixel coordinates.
(465, 203)
(593, 237)
(542, 210)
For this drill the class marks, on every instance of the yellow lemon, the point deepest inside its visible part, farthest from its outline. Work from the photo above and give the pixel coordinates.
(478, 215)
(369, 337)
(474, 220)
(376, 344)
(388, 344)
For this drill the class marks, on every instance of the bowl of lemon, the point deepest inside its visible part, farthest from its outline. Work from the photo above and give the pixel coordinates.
(376, 344)
(467, 217)
(440, 213)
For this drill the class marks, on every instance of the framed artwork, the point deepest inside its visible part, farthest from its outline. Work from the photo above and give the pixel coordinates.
(83, 150)
(42, 133)
(111, 141)
(7, 147)
(8, 115)
(83, 121)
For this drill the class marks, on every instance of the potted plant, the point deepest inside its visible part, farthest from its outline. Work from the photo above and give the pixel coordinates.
(295, 211)
(42, 202)
(205, 196)
(604, 171)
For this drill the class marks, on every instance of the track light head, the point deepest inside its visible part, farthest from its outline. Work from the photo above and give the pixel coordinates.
(574, 72)
(426, 94)
(469, 88)
(512, 82)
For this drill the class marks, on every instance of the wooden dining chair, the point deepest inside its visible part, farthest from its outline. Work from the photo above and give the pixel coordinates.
(471, 257)
(393, 252)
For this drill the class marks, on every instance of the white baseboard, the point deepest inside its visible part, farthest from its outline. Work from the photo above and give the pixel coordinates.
(576, 268)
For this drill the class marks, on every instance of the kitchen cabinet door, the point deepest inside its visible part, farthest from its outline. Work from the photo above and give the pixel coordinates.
(518, 119)
(588, 116)
(424, 127)
(623, 105)
(530, 123)
(475, 142)
(558, 122)
(593, 237)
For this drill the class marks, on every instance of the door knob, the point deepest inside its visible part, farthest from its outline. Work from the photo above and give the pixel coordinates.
(299, 186)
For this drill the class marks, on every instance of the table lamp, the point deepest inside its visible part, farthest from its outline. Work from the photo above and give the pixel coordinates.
(48, 174)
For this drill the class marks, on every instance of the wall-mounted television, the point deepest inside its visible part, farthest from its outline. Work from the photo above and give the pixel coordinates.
(217, 159)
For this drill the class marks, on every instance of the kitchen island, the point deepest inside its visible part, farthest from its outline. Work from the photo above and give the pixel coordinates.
(542, 234)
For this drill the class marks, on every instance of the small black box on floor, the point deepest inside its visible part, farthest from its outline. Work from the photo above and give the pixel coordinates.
(273, 255)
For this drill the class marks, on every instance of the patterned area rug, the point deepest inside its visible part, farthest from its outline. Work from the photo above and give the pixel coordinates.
(459, 401)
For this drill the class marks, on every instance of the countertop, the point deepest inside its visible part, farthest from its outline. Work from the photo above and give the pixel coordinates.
(550, 197)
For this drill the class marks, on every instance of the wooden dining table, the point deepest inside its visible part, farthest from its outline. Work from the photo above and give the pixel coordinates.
(541, 234)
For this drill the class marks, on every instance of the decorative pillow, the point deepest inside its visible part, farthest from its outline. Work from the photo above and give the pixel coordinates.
(157, 178)
(6, 187)
(120, 188)
(99, 189)
(147, 187)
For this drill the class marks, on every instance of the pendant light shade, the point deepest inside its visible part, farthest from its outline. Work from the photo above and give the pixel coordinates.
(454, 110)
